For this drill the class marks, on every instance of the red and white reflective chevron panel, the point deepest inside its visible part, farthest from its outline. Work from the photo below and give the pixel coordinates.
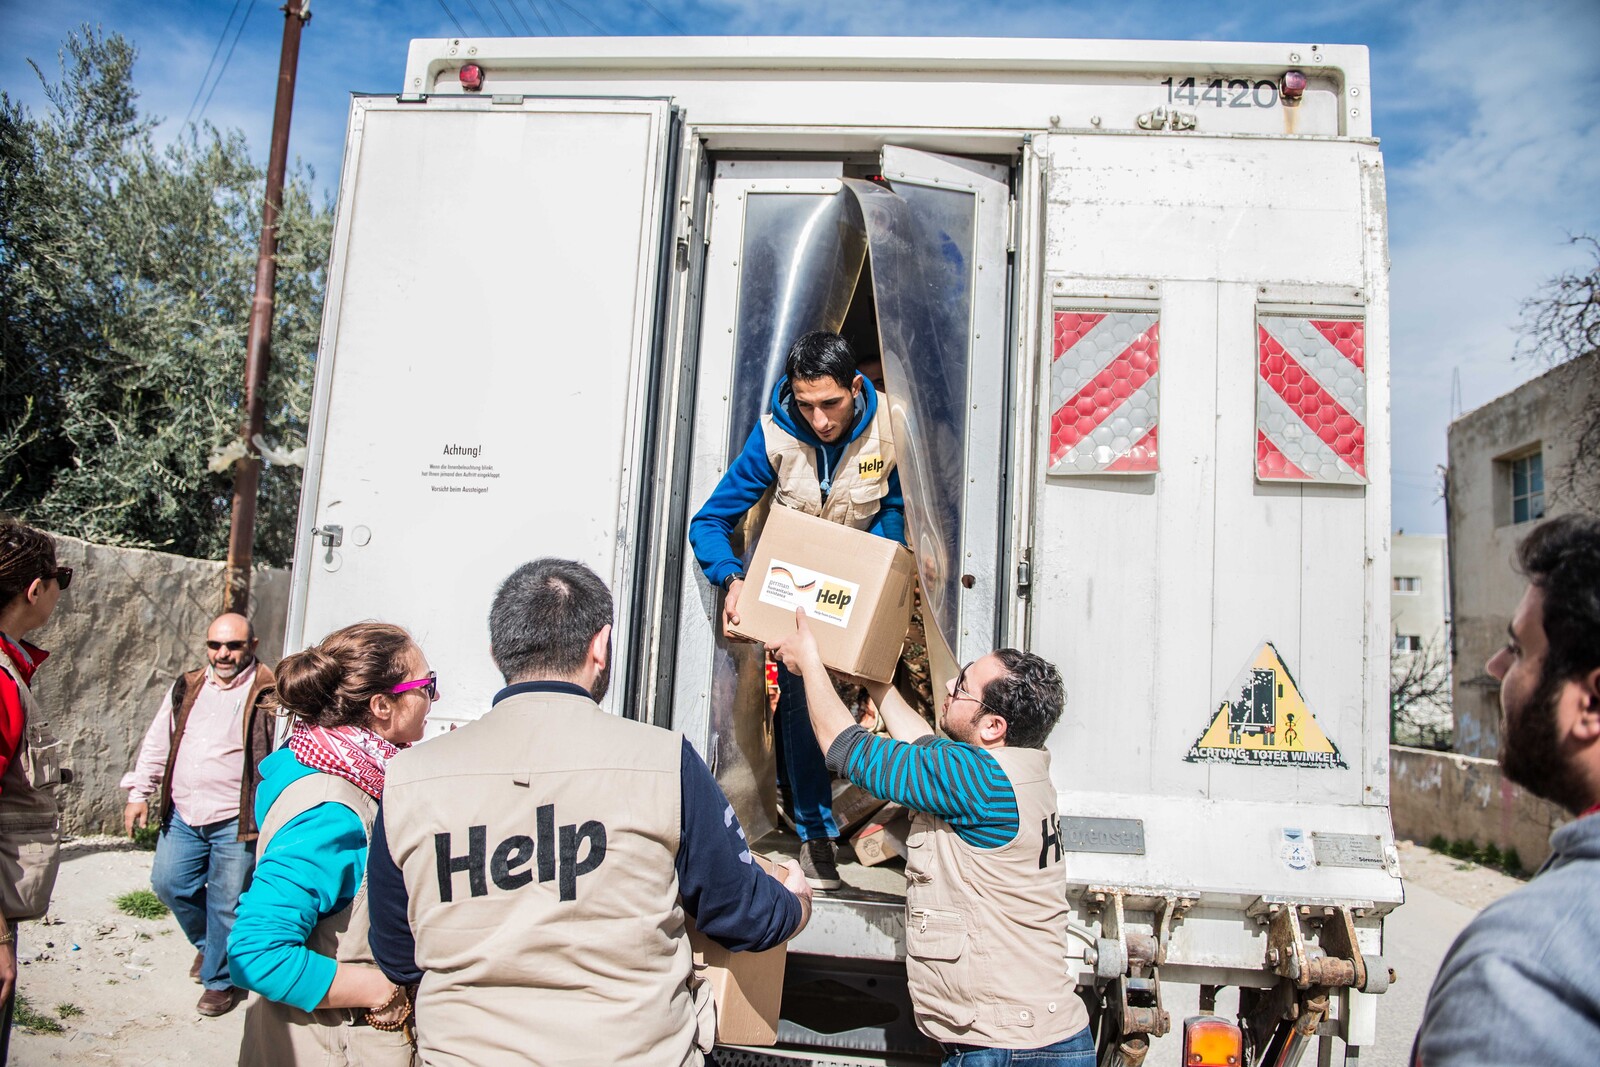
(1311, 400)
(1105, 392)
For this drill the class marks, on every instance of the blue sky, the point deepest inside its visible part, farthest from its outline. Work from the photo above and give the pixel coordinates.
(1487, 112)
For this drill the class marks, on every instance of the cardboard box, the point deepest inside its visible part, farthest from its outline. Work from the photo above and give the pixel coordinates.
(747, 986)
(884, 837)
(854, 586)
(852, 805)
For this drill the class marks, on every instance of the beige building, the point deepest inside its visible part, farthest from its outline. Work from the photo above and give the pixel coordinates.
(1509, 462)
(1419, 640)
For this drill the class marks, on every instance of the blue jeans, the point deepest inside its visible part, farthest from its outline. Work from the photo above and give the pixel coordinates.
(1075, 1051)
(200, 872)
(806, 772)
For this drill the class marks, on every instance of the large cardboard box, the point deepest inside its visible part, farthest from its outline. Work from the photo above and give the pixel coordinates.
(747, 986)
(854, 586)
(852, 805)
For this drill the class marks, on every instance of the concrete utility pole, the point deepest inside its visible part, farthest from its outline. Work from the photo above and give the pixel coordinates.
(258, 345)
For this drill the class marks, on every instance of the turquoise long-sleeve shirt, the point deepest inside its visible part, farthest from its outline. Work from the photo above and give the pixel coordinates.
(312, 868)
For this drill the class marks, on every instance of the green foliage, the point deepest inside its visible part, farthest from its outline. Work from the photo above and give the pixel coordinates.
(68, 1010)
(1438, 843)
(1463, 850)
(126, 278)
(1489, 855)
(1513, 864)
(141, 904)
(146, 836)
(27, 1017)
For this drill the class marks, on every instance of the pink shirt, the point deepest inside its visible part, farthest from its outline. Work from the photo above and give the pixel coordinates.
(209, 773)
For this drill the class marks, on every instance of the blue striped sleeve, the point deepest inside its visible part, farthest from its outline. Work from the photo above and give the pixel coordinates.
(962, 784)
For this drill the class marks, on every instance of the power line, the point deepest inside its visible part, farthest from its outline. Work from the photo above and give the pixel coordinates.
(223, 36)
(579, 12)
(479, 16)
(226, 60)
(560, 25)
(517, 11)
(462, 30)
(664, 17)
(496, 5)
(534, 7)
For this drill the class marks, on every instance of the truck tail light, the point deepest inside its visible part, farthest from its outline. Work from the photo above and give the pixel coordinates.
(1293, 86)
(472, 78)
(1212, 1042)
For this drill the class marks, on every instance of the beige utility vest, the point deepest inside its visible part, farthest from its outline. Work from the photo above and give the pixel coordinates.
(277, 1034)
(538, 848)
(860, 481)
(30, 818)
(986, 929)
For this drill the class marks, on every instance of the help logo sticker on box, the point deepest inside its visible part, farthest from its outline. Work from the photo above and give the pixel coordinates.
(822, 596)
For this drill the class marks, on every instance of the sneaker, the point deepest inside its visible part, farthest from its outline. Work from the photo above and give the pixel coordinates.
(194, 968)
(817, 863)
(216, 1002)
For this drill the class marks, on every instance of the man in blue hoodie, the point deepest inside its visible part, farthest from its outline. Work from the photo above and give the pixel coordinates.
(823, 447)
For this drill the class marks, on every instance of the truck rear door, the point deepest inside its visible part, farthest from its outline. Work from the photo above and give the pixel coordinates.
(484, 381)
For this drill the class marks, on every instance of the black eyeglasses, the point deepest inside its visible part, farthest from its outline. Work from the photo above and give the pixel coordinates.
(62, 575)
(430, 683)
(231, 646)
(961, 689)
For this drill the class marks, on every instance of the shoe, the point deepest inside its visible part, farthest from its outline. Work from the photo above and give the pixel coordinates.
(194, 968)
(216, 1002)
(817, 863)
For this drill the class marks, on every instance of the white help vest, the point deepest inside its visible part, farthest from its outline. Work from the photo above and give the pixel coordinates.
(538, 846)
(986, 929)
(860, 480)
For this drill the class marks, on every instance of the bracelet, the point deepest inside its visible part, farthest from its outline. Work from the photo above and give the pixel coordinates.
(6, 936)
(372, 1021)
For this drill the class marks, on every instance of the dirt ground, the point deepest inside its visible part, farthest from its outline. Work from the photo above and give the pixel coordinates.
(130, 977)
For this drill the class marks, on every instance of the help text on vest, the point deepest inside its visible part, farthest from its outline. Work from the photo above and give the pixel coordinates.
(555, 857)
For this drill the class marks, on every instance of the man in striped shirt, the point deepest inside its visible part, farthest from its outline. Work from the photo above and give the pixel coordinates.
(986, 894)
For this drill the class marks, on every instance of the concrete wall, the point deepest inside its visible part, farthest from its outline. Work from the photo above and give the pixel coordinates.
(1466, 799)
(131, 622)
(1541, 414)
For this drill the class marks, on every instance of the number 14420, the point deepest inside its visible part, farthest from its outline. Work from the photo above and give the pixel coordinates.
(1222, 92)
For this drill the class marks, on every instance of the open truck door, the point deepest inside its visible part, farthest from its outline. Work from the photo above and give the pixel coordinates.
(488, 343)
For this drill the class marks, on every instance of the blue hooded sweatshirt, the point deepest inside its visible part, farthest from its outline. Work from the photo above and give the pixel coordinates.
(751, 474)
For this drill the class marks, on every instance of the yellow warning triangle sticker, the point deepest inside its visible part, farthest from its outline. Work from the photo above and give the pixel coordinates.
(1262, 720)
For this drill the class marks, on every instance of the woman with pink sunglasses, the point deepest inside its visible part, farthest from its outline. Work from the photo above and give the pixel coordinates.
(300, 939)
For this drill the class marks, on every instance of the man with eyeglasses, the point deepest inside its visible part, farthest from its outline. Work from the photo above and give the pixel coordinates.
(986, 895)
(206, 745)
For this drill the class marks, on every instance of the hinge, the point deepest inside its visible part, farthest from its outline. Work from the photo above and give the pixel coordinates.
(1025, 575)
(1011, 225)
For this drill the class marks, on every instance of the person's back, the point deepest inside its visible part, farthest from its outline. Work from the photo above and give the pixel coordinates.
(543, 889)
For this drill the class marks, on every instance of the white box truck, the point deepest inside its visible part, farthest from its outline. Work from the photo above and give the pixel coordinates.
(1131, 300)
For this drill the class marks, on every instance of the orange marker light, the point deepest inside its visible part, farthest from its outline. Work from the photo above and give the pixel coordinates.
(1211, 1042)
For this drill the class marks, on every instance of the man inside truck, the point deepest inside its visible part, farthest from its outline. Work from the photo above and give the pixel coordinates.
(823, 447)
(986, 897)
(1522, 982)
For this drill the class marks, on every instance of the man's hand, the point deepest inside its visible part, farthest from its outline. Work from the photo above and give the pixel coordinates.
(799, 649)
(8, 960)
(137, 811)
(730, 609)
(794, 880)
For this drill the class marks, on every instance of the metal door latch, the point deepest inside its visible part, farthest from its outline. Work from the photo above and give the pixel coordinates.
(331, 536)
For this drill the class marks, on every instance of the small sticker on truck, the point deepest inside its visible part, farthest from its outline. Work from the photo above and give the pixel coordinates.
(822, 596)
(1262, 720)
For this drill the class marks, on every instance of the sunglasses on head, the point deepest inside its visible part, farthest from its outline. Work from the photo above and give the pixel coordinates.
(62, 575)
(231, 646)
(430, 683)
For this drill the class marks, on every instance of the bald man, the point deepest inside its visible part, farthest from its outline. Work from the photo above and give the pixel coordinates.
(206, 744)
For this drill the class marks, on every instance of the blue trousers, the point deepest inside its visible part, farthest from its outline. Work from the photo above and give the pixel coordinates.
(1075, 1051)
(801, 762)
(200, 873)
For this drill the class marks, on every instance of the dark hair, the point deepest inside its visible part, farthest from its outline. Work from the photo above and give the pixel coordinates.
(26, 555)
(1562, 557)
(821, 354)
(1029, 697)
(333, 683)
(544, 617)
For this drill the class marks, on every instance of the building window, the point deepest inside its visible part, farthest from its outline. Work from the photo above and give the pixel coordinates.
(1407, 585)
(1407, 642)
(1527, 487)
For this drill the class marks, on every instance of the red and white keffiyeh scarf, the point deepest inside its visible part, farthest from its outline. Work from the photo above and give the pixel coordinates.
(354, 753)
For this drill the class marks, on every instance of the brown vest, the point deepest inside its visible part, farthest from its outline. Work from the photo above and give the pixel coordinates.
(276, 1034)
(986, 929)
(30, 818)
(538, 848)
(860, 482)
(258, 738)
